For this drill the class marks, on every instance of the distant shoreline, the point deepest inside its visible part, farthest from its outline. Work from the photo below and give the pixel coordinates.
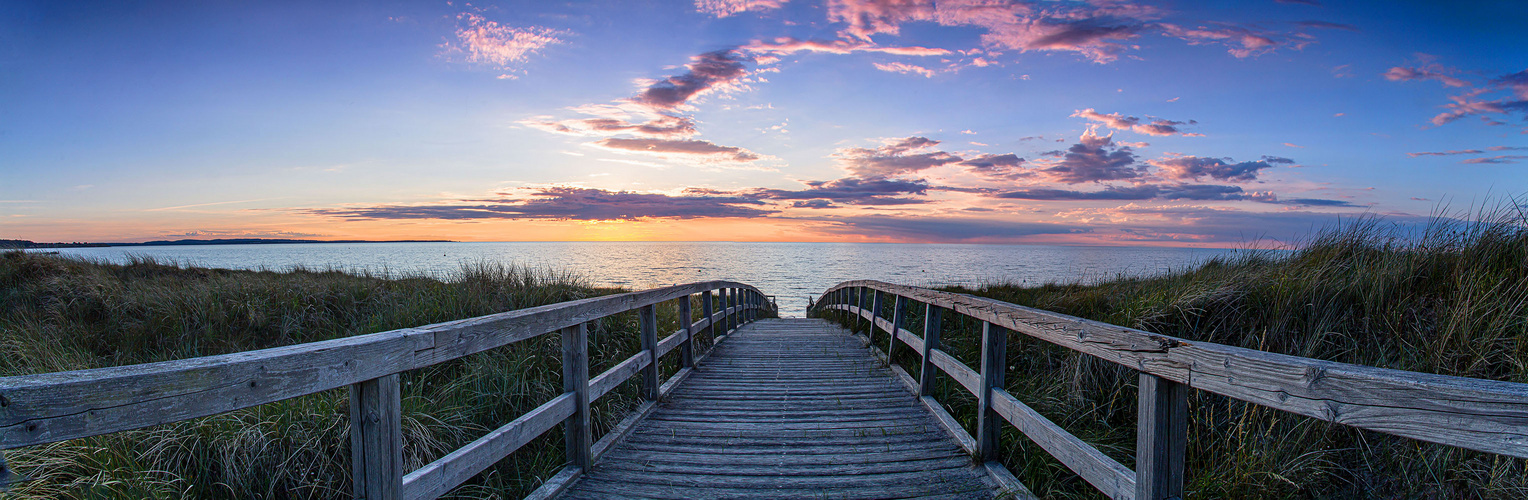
(24, 244)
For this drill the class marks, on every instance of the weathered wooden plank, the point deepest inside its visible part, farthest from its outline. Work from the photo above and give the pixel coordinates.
(824, 450)
(623, 429)
(577, 431)
(557, 484)
(963, 374)
(669, 343)
(376, 438)
(1007, 486)
(459, 338)
(950, 425)
(989, 424)
(441, 476)
(646, 463)
(687, 347)
(616, 375)
(860, 456)
(1161, 438)
(647, 316)
(1482, 415)
(706, 310)
(52, 407)
(1109, 476)
(66, 405)
(898, 313)
(931, 328)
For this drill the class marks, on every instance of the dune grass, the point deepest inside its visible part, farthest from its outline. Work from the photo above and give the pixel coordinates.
(62, 314)
(1450, 298)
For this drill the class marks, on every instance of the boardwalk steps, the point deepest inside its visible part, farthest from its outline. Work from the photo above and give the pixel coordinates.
(787, 408)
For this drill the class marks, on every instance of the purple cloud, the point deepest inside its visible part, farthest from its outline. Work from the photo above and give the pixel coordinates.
(849, 190)
(703, 151)
(724, 8)
(1243, 42)
(1201, 192)
(1094, 158)
(1156, 126)
(1190, 168)
(1429, 72)
(942, 229)
(1327, 25)
(706, 72)
(1496, 160)
(898, 156)
(564, 203)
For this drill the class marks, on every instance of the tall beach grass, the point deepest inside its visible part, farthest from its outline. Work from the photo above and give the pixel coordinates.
(1449, 298)
(62, 314)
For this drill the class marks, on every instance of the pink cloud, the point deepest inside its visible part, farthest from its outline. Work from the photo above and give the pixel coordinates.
(897, 156)
(787, 45)
(662, 126)
(1242, 42)
(724, 8)
(1156, 126)
(1496, 159)
(897, 67)
(1094, 158)
(696, 151)
(1093, 29)
(480, 41)
(1433, 72)
(1193, 167)
(706, 72)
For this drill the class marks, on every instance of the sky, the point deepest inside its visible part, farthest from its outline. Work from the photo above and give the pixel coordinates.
(1103, 122)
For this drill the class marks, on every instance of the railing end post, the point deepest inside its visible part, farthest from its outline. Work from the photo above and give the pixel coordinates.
(1161, 438)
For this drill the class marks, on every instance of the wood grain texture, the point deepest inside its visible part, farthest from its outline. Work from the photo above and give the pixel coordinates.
(1107, 475)
(1161, 438)
(616, 375)
(931, 328)
(578, 434)
(989, 425)
(557, 484)
(647, 316)
(1483, 415)
(786, 408)
(376, 438)
(51, 407)
(439, 477)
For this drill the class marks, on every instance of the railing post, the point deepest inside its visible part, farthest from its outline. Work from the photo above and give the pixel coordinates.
(575, 379)
(875, 313)
(896, 326)
(989, 425)
(648, 316)
(707, 311)
(727, 319)
(1161, 438)
(861, 302)
(931, 327)
(376, 438)
(687, 346)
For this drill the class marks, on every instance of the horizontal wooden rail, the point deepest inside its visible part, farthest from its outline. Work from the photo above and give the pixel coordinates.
(1483, 415)
(51, 407)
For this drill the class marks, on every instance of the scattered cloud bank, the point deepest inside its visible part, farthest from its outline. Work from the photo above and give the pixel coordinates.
(1503, 95)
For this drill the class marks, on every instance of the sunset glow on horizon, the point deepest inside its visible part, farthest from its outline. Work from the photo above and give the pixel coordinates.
(1101, 122)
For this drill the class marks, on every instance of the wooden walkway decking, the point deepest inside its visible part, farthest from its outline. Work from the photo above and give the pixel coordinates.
(787, 408)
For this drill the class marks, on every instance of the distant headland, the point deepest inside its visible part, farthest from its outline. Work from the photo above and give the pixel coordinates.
(12, 244)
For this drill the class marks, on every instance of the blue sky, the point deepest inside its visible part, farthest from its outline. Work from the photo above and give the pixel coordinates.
(1105, 122)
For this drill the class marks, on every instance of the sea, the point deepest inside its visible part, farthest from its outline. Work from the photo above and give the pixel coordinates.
(791, 272)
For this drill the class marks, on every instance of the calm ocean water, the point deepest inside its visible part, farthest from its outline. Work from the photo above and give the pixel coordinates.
(790, 271)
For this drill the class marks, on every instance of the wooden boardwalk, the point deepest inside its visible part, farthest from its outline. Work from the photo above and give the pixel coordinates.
(787, 408)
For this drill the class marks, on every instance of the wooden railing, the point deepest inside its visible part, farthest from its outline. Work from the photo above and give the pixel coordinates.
(50, 407)
(1483, 415)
